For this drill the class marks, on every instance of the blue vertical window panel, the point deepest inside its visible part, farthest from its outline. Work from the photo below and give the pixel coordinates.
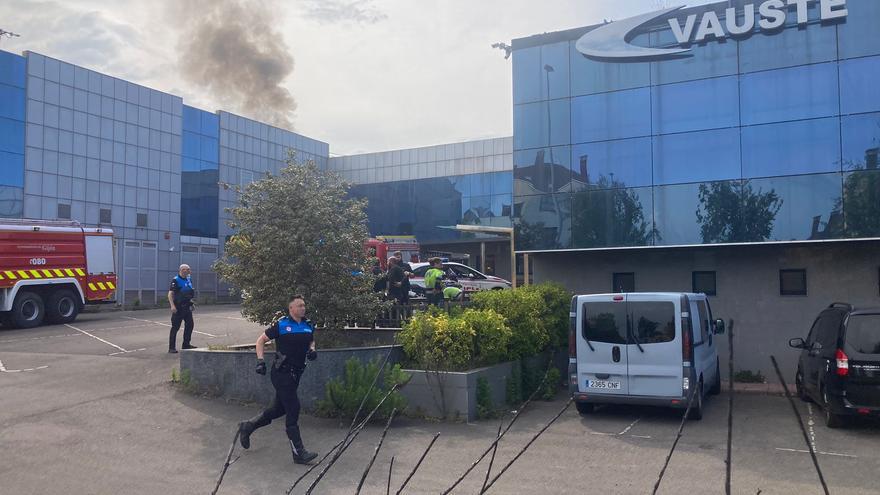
(12, 102)
(859, 91)
(712, 59)
(589, 76)
(791, 148)
(210, 149)
(861, 142)
(696, 105)
(791, 46)
(192, 119)
(527, 75)
(11, 169)
(789, 94)
(612, 164)
(502, 183)
(554, 69)
(210, 125)
(617, 115)
(533, 123)
(191, 145)
(858, 35)
(806, 207)
(13, 69)
(12, 136)
(697, 156)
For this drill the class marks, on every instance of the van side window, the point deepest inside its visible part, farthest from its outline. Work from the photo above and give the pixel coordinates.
(653, 322)
(704, 319)
(604, 322)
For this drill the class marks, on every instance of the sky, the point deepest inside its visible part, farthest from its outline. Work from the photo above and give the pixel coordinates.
(362, 75)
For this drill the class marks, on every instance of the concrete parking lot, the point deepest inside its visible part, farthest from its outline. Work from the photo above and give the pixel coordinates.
(88, 408)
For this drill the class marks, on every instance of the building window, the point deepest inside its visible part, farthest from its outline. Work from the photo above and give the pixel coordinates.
(64, 211)
(141, 219)
(623, 282)
(792, 282)
(704, 282)
(106, 216)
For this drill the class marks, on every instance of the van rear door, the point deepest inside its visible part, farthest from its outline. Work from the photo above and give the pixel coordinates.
(601, 345)
(654, 350)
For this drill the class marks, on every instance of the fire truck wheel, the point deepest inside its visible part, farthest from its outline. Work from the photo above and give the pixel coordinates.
(28, 310)
(62, 307)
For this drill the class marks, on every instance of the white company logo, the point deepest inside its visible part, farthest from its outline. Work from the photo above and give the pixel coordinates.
(612, 41)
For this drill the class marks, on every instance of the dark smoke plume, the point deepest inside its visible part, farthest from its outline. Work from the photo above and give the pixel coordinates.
(231, 49)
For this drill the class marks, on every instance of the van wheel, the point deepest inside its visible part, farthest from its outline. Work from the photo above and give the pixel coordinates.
(62, 307)
(799, 386)
(28, 310)
(831, 420)
(696, 411)
(716, 385)
(584, 407)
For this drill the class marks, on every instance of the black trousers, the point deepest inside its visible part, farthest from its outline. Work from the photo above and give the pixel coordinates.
(183, 314)
(286, 402)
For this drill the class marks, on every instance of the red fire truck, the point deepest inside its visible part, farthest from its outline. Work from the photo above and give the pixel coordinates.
(383, 246)
(50, 269)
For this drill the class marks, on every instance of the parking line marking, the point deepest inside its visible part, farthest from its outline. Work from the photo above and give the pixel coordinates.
(801, 451)
(95, 337)
(812, 431)
(126, 352)
(641, 436)
(4, 370)
(626, 430)
(169, 326)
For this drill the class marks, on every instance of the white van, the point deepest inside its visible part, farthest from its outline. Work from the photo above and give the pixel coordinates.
(630, 349)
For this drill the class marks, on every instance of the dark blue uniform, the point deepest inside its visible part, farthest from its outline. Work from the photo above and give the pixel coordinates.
(183, 293)
(292, 341)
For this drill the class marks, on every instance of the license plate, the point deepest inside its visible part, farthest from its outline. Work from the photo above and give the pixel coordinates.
(603, 384)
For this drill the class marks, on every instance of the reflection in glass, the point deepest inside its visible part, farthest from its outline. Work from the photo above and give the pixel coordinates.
(808, 207)
(861, 141)
(696, 105)
(617, 115)
(733, 211)
(589, 76)
(779, 95)
(861, 193)
(791, 148)
(858, 85)
(542, 222)
(858, 36)
(697, 156)
(11, 202)
(541, 171)
(624, 163)
(712, 59)
(603, 217)
(534, 122)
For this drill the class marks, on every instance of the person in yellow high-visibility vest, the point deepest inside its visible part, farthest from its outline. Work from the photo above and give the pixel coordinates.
(433, 284)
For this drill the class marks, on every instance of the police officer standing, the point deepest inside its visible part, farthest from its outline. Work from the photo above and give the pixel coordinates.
(294, 343)
(433, 282)
(180, 296)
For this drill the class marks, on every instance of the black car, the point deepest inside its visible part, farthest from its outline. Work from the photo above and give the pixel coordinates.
(839, 366)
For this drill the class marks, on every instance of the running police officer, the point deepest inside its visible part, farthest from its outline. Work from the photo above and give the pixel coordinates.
(180, 296)
(294, 343)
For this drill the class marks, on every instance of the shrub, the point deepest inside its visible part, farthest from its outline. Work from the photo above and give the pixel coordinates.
(435, 341)
(748, 376)
(344, 394)
(513, 392)
(485, 409)
(522, 309)
(554, 314)
(551, 385)
(491, 335)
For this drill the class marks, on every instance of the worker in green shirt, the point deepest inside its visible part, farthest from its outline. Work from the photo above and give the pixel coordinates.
(453, 293)
(433, 284)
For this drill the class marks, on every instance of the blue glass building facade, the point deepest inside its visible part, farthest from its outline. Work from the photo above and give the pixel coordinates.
(200, 173)
(771, 137)
(13, 77)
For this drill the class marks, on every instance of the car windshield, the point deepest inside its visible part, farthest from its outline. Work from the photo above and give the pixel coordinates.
(863, 333)
(604, 322)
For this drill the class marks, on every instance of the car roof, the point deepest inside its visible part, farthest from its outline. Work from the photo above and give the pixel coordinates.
(424, 263)
(650, 294)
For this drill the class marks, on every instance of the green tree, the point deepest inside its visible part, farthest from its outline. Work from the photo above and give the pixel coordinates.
(733, 211)
(861, 191)
(300, 233)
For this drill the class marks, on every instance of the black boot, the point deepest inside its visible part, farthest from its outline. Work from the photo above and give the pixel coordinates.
(300, 454)
(245, 428)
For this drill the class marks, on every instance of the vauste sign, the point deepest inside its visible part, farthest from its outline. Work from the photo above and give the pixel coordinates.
(612, 41)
